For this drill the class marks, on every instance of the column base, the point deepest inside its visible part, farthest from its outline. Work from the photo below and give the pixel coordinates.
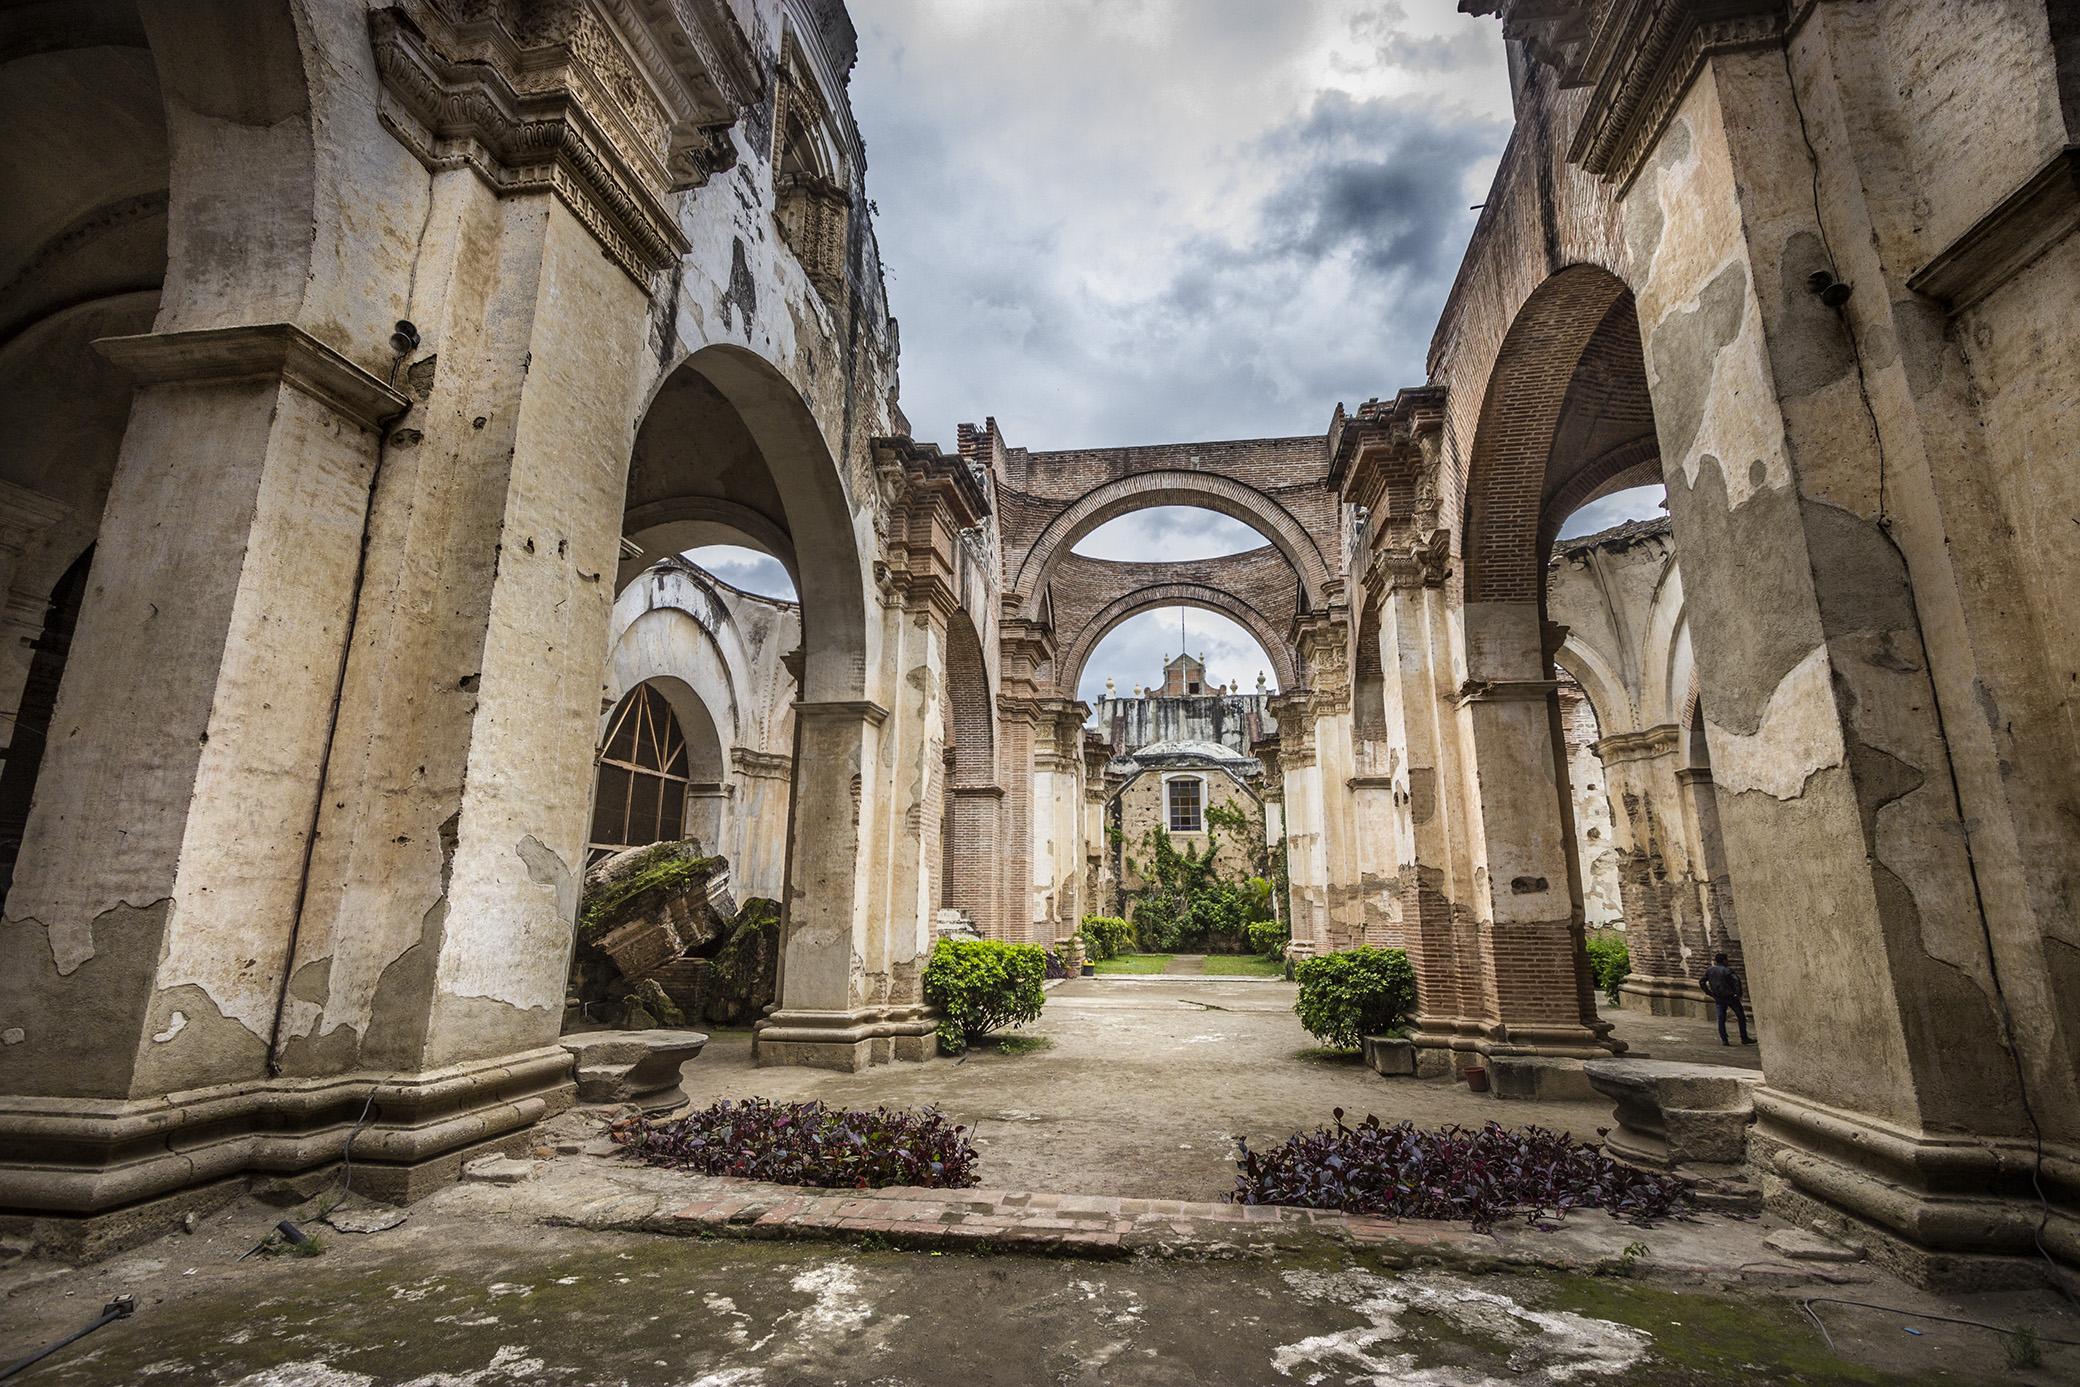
(64, 1160)
(1667, 997)
(1445, 1044)
(1946, 1212)
(847, 1041)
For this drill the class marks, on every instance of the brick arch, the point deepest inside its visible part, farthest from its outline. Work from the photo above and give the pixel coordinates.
(1566, 416)
(1076, 651)
(971, 722)
(1172, 487)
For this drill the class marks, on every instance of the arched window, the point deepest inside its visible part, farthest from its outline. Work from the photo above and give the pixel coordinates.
(643, 779)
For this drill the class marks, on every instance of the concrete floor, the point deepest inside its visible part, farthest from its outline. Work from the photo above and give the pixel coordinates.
(456, 1297)
(1148, 1082)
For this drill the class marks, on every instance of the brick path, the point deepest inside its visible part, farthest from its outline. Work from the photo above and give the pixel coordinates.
(1084, 1224)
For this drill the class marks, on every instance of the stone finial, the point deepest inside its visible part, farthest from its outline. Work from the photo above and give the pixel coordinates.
(1260, 681)
(1110, 692)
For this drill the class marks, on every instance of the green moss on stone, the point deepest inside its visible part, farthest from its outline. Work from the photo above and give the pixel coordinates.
(659, 868)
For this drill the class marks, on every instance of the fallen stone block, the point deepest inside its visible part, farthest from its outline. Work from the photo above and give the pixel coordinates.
(1538, 1077)
(1672, 1114)
(1389, 1055)
(639, 1067)
(498, 1170)
(370, 1220)
(1800, 1245)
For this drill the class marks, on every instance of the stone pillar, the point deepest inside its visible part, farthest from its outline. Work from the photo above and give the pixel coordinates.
(1307, 868)
(24, 516)
(1538, 998)
(1894, 936)
(199, 692)
(1653, 869)
(1058, 848)
(1708, 867)
(1325, 660)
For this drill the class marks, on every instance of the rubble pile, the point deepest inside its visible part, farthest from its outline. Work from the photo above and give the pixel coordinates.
(662, 941)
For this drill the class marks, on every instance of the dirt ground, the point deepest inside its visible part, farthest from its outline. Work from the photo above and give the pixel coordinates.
(1147, 1083)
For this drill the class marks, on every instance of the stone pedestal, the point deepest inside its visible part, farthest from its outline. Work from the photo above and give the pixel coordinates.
(1673, 1116)
(1548, 1080)
(640, 1067)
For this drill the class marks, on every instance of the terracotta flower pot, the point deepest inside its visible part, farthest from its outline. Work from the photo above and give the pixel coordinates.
(1476, 1079)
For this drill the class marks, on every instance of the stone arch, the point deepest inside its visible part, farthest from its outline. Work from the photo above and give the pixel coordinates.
(1668, 671)
(727, 439)
(679, 523)
(969, 850)
(1172, 487)
(1077, 652)
(1565, 417)
(1600, 682)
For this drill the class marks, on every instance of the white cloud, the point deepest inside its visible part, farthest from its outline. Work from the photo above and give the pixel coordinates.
(749, 569)
(1633, 503)
(1133, 652)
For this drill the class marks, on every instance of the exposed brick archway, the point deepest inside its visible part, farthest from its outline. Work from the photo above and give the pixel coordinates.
(1566, 417)
(1076, 651)
(1173, 487)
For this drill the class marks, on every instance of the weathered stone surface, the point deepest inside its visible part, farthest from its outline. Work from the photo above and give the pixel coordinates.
(499, 1170)
(1675, 1114)
(1390, 1055)
(640, 1067)
(1802, 1246)
(369, 1220)
(1548, 1080)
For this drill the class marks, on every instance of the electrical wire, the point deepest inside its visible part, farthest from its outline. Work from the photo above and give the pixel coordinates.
(1807, 1303)
(121, 1308)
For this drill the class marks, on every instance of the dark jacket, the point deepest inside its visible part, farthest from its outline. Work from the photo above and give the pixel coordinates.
(1721, 983)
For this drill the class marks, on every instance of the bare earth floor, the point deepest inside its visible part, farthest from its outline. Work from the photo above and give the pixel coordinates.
(593, 1270)
(1148, 1082)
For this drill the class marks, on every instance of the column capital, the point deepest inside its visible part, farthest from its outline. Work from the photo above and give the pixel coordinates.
(258, 351)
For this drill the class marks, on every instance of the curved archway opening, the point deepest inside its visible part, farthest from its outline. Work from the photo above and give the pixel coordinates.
(1171, 534)
(660, 751)
(1140, 649)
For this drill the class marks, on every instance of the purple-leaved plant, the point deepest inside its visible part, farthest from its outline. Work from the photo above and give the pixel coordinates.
(1481, 1175)
(808, 1144)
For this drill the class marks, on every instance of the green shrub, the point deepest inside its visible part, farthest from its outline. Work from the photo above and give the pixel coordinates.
(1610, 960)
(1268, 937)
(1107, 936)
(1357, 992)
(982, 985)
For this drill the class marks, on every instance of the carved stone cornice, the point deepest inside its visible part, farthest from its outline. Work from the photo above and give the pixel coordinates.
(257, 351)
(1385, 442)
(2036, 216)
(1644, 745)
(767, 765)
(1426, 563)
(610, 105)
(928, 500)
(1642, 57)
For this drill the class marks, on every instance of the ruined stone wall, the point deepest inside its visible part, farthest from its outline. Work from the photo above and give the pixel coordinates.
(1234, 721)
(1142, 805)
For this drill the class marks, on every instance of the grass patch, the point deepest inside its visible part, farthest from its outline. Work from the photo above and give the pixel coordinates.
(1011, 1044)
(1136, 963)
(1323, 1054)
(1244, 966)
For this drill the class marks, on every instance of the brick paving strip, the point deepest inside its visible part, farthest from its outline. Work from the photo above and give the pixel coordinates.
(610, 1193)
(1013, 1219)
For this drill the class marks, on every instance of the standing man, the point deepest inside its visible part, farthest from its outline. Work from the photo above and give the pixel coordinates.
(1723, 986)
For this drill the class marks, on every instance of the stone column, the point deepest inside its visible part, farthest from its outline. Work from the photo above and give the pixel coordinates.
(1307, 868)
(199, 691)
(1537, 995)
(1057, 866)
(1653, 862)
(1027, 654)
(1325, 660)
(24, 515)
(1892, 937)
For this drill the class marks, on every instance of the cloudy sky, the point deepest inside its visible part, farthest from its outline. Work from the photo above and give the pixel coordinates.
(1110, 222)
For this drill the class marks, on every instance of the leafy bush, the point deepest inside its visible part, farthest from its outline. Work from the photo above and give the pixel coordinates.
(1483, 1175)
(1610, 961)
(1107, 936)
(1268, 938)
(982, 985)
(1355, 993)
(807, 1144)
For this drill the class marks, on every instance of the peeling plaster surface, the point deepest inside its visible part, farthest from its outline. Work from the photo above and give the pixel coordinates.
(1799, 735)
